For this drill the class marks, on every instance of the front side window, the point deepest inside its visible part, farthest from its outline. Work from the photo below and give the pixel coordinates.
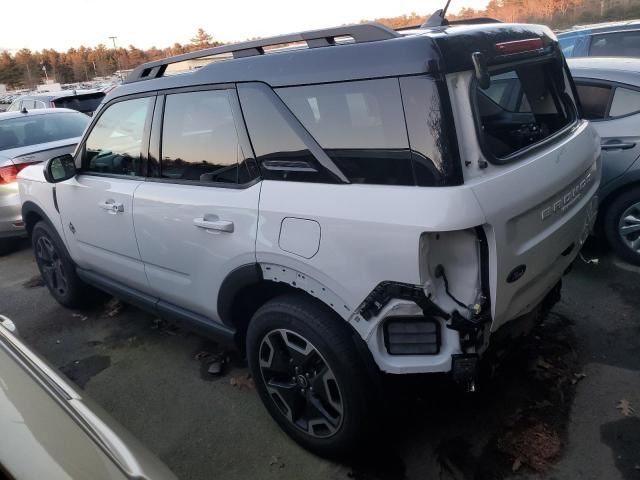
(36, 129)
(360, 125)
(522, 107)
(199, 139)
(15, 106)
(114, 146)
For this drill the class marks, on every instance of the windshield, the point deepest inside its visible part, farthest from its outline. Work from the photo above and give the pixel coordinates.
(32, 130)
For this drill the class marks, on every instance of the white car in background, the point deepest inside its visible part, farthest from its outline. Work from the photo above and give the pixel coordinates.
(26, 138)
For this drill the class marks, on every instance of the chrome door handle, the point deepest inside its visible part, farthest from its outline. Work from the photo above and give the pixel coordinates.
(617, 146)
(111, 206)
(212, 222)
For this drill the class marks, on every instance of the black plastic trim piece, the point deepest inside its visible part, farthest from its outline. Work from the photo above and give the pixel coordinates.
(407, 319)
(235, 281)
(157, 306)
(386, 291)
(30, 207)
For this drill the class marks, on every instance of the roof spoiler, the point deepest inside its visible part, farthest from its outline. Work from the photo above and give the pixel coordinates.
(360, 33)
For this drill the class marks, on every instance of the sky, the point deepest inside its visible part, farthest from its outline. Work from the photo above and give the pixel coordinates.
(160, 23)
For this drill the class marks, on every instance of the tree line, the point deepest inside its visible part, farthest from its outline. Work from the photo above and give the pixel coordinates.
(27, 69)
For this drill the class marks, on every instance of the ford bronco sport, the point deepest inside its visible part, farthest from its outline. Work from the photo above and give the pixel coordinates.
(340, 202)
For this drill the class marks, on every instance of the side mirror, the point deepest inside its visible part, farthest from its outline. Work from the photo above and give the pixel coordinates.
(59, 169)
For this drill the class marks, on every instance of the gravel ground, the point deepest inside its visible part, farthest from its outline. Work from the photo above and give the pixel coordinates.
(548, 409)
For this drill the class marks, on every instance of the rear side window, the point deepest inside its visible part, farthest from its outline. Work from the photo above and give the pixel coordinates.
(280, 150)
(360, 125)
(37, 129)
(114, 145)
(602, 101)
(200, 140)
(522, 107)
(625, 102)
(620, 44)
(594, 100)
(82, 103)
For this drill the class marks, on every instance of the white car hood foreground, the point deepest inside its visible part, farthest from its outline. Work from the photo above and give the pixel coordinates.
(49, 430)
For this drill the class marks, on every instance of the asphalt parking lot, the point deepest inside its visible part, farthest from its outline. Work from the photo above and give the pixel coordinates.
(558, 405)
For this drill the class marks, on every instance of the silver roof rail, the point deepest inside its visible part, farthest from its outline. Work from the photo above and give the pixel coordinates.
(360, 33)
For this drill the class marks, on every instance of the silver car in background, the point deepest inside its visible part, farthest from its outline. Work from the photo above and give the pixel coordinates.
(28, 137)
(49, 430)
(609, 91)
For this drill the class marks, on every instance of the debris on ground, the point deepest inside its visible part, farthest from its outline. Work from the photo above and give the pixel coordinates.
(80, 316)
(625, 408)
(577, 377)
(243, 381)
(113, 307)
(34, 282)
(537, 446)
(213, 362)
(276, 462)
(516, 465)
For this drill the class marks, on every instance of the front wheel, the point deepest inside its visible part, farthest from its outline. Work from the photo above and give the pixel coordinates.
(308, 374)
(622, 226)
(57, 269)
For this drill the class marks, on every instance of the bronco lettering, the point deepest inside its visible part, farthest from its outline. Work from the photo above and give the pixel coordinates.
(568, 198)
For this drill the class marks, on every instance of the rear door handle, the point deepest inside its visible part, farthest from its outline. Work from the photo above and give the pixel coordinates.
(111, 206)
(617, 145)
(213, 222)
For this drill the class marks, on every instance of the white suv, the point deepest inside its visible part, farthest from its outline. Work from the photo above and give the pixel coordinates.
(371, 203)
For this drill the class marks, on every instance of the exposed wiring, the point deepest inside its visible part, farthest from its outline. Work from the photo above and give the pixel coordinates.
(589, 261)
(440, 274)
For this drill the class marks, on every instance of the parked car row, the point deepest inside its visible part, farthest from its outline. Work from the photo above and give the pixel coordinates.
(85, 101)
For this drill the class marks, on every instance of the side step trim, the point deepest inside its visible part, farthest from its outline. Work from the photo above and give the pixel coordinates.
(159, 307)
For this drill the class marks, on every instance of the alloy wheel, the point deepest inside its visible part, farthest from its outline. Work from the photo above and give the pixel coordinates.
(301, 383)
(629, 227)
(51, 266)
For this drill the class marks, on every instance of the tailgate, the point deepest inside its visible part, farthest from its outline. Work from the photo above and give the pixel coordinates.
(539, 212)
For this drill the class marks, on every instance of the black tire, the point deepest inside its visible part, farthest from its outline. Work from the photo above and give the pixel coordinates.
(343, 392)
(8, 245)
(613, 220)
(57, 269)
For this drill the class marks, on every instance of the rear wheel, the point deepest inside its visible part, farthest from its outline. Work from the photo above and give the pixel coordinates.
(56, 268)
(308, 374)
(622, 226)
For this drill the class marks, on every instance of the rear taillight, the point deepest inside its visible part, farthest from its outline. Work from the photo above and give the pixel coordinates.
(9, 173)
(519, 46)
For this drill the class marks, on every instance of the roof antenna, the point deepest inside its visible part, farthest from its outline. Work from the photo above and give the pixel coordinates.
(437, 19)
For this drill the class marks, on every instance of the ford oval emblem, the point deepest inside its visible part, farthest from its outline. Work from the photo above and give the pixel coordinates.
(516, 273)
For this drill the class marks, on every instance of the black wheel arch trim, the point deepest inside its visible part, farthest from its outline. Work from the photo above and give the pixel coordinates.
(29, 207)
(233, 283)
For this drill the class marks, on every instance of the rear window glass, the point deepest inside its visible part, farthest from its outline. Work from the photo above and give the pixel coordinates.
(522, 106)
(36, 129)
(82, 103)
(360, 125)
